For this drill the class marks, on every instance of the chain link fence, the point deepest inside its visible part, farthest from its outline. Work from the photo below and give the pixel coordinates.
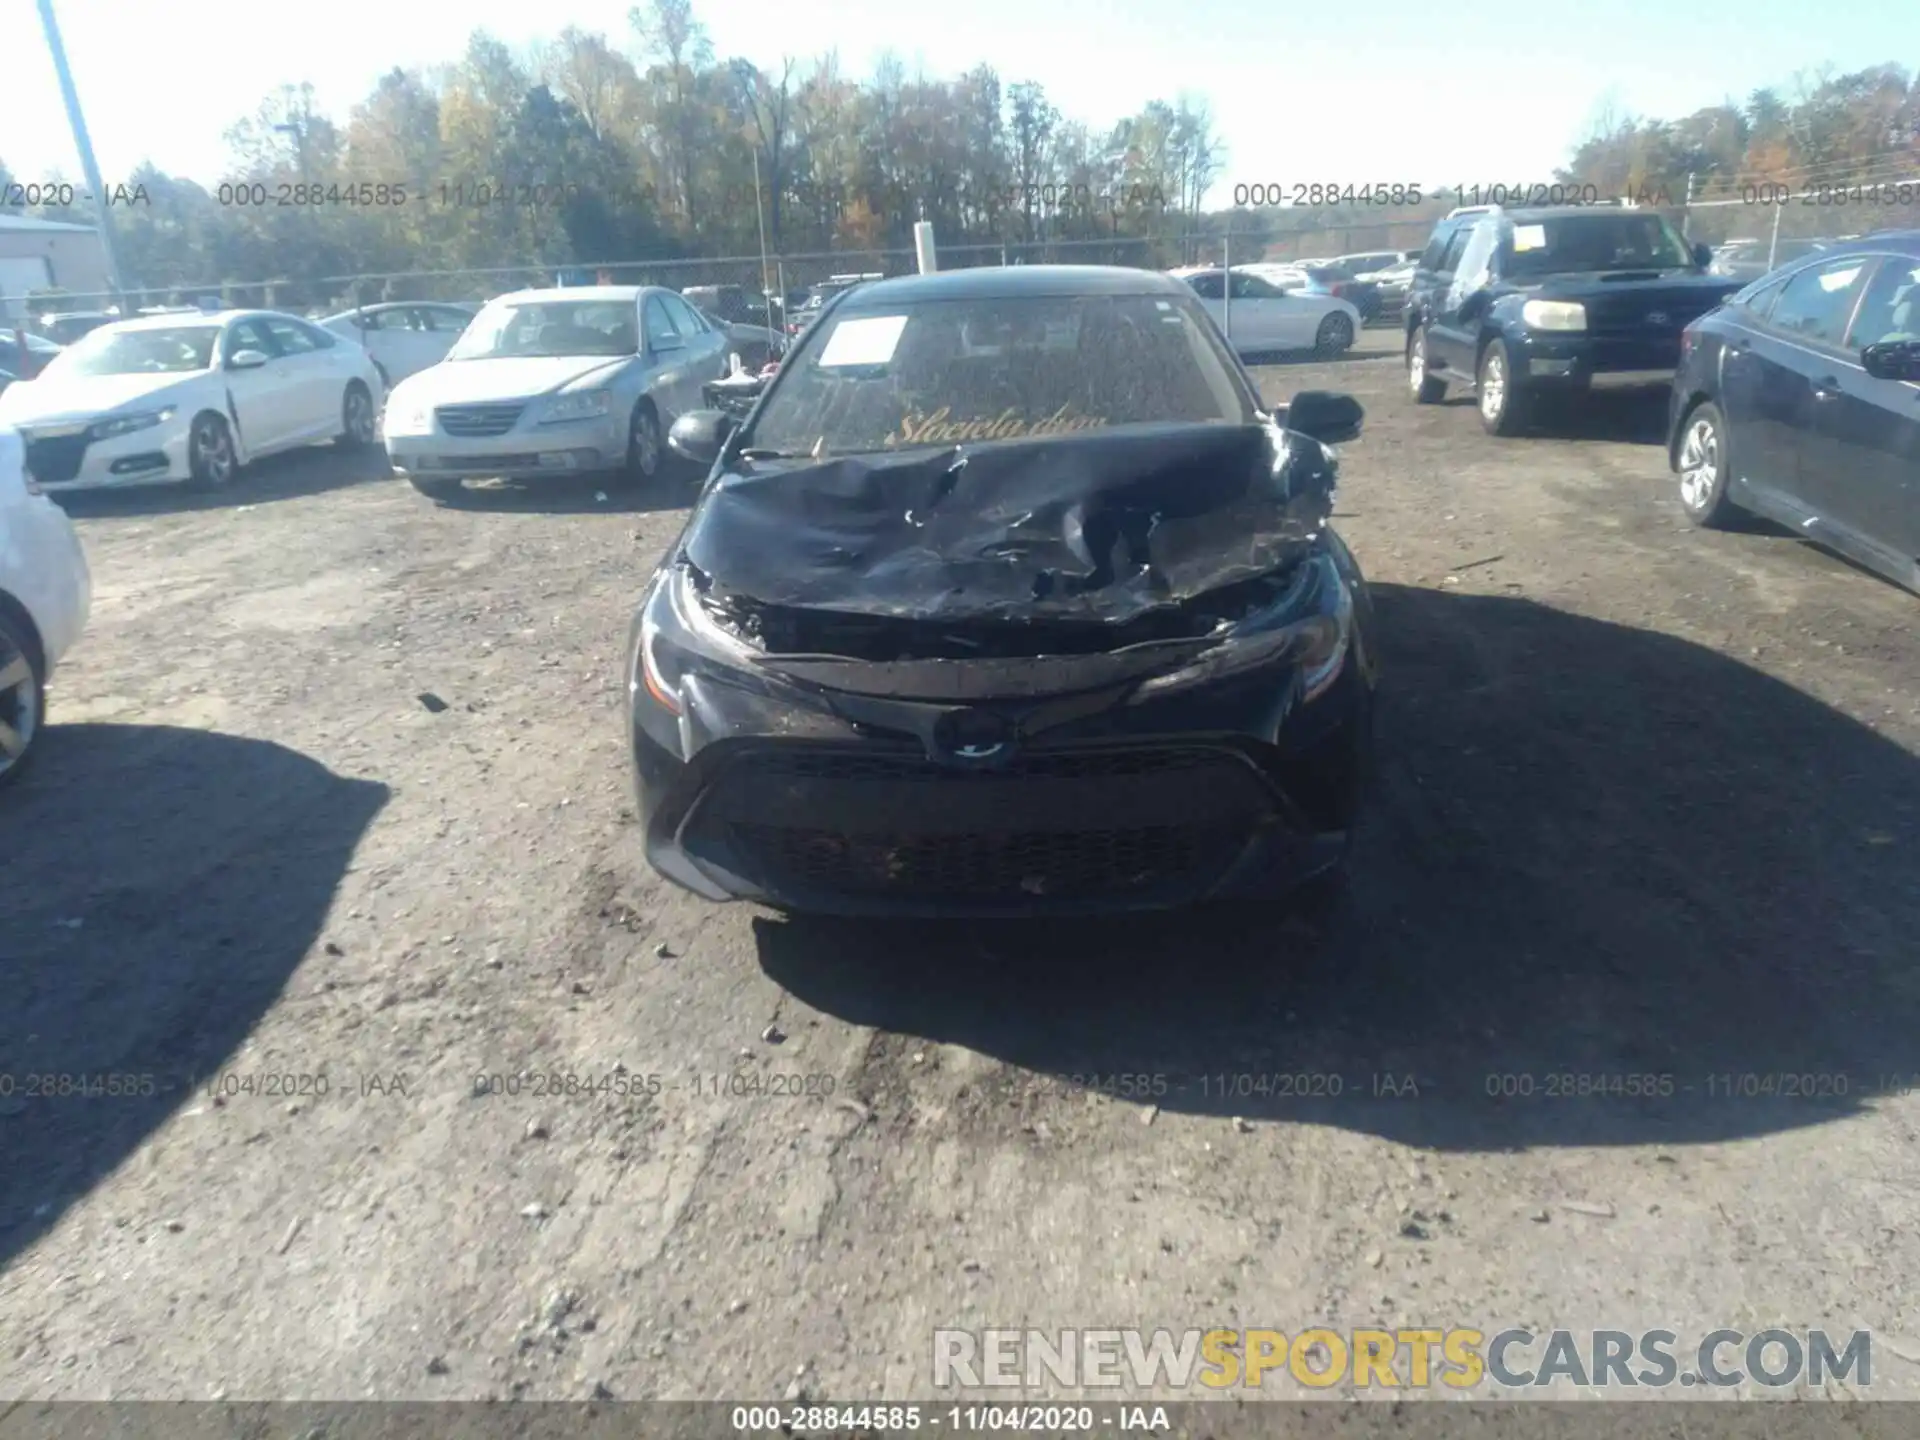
(778, 275)
(1756, 225)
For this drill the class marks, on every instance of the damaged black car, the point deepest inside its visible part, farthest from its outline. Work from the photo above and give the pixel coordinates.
(1006, 598)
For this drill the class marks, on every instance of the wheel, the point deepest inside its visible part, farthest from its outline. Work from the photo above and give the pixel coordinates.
(1426, 390)
(1502, 403)
(1335, 335)
(356, 417)
(210, 457)
(1702, 465)
(445, 488)
(646, 454)
(23, 695)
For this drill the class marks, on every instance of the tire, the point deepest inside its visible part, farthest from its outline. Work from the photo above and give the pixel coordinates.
(1701, 463)
(212, 462)
(358, 419)
(443, 488)
(23, 694)
(1502, 404)
(1335, 335)
(646, 447)
(1426, 390)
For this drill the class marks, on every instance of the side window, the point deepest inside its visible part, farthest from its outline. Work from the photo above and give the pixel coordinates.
(445, 320)
(1435, 254)
(1243, 286)
(322, 339)
(1759, 302)
(247, 335)
(1890, 310)
(1816, 302)
(288, 337)
(1208, 286)
(367, 320)
(660, 328)
(684, 320)
(1456, 246)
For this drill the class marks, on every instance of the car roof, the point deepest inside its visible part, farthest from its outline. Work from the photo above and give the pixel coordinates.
(605, 294)
(995, 282)
(209, 318)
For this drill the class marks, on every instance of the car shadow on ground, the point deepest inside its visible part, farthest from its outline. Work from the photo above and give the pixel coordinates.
(1593, 852)
(673, 489)
(1636, 416)
(161, 885)
(291, 475)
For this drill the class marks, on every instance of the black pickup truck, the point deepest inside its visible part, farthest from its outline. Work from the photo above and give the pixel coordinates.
(1523, 304)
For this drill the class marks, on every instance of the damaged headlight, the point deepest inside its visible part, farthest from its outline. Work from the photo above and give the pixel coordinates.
(1314, 643)
(674, 631)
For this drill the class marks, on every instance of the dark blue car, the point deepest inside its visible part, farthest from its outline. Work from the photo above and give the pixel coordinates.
(1799, 400)
(1535, 304)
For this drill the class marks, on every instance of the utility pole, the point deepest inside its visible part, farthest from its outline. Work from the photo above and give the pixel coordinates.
(88, 166)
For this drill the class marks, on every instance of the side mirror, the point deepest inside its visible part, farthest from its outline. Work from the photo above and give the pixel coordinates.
(1702, 254)
(1323, 415)
(663, 347)
(246, 360)
(699, 435)
(1893, 360)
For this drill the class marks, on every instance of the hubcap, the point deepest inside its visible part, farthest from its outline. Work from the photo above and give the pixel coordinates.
(1417, 363)
(215, 452)
(1493, 388)
(1699, 464)
(19, 706)
(646, 444)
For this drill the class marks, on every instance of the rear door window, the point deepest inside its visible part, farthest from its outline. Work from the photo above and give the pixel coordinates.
(1817, 302)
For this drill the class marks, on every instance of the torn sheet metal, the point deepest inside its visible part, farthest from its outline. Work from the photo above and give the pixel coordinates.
(1100, 527)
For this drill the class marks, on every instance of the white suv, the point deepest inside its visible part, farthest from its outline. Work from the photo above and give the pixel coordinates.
(45, 593)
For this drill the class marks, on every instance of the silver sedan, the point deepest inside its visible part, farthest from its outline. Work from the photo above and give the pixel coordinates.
(558, 382)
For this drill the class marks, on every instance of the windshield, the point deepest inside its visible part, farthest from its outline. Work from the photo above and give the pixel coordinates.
(175, 350)
(1602, 240)
(953, 371)
(549, 327)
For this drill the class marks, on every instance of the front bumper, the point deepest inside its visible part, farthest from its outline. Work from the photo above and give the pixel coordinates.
(57, 588)
(1575, 361)
(1244, 787)
(62, 458)
(526, 451)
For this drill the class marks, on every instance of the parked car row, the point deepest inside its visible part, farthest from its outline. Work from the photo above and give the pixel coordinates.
(1794, 395)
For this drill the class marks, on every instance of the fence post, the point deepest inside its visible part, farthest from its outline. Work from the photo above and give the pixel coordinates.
(1773, 242)
(1686, 215)
(923, 246)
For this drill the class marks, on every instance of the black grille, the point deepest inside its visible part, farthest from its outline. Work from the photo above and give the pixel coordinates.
(1032, 864)
(475, 421)
(1059, 824)
(56, 461)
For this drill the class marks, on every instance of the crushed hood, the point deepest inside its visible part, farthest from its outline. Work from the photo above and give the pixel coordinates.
(1102, 527)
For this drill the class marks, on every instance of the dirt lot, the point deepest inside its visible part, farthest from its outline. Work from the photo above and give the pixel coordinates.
(1649, 804)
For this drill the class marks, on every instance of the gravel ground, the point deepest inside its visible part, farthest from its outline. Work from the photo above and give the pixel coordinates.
(1649, 804)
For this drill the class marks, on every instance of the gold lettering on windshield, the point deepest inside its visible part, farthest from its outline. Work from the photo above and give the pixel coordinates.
(939, 427)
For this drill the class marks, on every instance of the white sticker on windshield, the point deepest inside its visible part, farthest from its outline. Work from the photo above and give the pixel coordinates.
(1529, 237)
(864, 342)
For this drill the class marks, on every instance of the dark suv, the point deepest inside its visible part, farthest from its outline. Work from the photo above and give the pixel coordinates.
(1521, 304)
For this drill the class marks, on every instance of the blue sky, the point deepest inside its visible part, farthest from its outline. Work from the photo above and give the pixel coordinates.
(1383, 90)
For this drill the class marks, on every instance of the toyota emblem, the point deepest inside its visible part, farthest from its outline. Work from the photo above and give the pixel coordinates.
(974, 734)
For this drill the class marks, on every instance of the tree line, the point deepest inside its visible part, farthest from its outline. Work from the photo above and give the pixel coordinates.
(643, 147)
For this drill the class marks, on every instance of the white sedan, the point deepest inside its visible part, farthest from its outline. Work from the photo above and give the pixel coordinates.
(1260, 317)
(190, 398)
(403, 337)
(45, 593)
